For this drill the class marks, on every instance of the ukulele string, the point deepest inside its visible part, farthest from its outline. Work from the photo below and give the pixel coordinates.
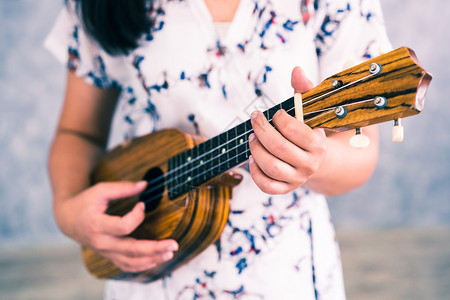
(243, 134)
(307, 102)
(161, 177)
(229, 159)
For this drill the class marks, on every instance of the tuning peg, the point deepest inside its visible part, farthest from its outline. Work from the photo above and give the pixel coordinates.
(359, 140)
(397, 131)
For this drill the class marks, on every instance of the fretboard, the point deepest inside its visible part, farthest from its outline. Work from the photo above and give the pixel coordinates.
(215, 156)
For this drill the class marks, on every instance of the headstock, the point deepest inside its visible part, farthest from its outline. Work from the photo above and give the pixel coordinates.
(388, 87)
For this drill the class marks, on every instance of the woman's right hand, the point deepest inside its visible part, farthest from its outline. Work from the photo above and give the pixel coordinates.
(83, 219)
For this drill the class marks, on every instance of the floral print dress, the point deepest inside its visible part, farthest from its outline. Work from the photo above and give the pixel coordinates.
(187, 75)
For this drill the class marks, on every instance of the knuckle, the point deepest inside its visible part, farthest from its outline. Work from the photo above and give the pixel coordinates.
(279, 148)
(94, 226)
(131, 250)
(126, 228)
(274, 171)
(96, 244)
(290, 129)
(308, 169)
(300, 180)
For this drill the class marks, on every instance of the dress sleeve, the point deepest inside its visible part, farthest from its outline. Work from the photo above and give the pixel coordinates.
(69, 43)
(348, 30)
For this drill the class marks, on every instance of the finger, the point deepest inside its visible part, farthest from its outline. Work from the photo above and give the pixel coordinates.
(275, 142)
(299, 81)
(299, 134)
(120, 226)
(137, 264)
(266, 184)
(268, 164)
(138, 248)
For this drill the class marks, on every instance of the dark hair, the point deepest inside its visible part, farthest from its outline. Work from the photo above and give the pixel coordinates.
(116, 25)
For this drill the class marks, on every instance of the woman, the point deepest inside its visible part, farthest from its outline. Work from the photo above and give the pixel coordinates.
(203, 66)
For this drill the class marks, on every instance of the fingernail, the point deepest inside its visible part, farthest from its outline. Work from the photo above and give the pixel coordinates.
(141, 206)
(167, 256)
(172, 248)
(254, 114)
(281, 111)
(141, 184)
(251, 160)
(251, 137)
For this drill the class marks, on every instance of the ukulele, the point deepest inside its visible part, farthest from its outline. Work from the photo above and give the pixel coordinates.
(189, 179)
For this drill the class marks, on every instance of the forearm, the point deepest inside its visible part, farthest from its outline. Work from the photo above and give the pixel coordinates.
(71, 160)
(345, 167)
(80, 137)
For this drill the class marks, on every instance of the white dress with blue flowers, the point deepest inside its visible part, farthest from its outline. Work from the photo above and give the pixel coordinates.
(186, 75)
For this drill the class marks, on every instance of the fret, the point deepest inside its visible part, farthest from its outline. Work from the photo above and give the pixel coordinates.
(169, 177)
(248, 131)
(241, 142)
(229, 146)
(221, 159)
(175, 182)
(271, 112)
(182, 173)
(201, 161)
(195, 166)
(288, 106)
(172, 177)
(214, 156)
(206, 159)
(190, 168)
(233, 143)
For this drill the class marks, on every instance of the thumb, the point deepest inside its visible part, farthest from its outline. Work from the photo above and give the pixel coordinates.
(108, 191)
(299, 81)
(120, 226)
(115, 190)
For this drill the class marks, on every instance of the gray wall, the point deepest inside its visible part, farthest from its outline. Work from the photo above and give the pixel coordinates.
(411, 185)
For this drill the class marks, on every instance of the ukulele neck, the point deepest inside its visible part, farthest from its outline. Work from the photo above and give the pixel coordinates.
(215, 156)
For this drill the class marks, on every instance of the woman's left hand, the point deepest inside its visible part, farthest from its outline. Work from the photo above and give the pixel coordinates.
(284, 157)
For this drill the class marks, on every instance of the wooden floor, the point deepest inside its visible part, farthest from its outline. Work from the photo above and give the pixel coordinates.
(399, 264)
(395, 264)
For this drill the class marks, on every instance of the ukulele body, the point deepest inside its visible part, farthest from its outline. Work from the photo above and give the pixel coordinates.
(195, 220)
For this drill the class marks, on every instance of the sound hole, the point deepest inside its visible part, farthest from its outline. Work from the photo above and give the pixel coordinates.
(152, 195)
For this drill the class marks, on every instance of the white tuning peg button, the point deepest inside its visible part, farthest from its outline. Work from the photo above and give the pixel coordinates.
(397, 131)
(359, 140)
